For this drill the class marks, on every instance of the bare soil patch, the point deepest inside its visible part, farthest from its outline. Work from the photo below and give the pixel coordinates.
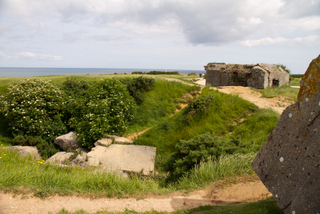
(278, 103)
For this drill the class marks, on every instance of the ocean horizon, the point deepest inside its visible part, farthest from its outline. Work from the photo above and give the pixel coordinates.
(30, 72)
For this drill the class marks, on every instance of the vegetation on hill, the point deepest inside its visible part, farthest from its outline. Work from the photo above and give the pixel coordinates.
(216, 136)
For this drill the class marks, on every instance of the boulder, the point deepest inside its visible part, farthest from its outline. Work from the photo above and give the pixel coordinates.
(104, 142)
(25, 150)
(79, 161)
(60, 158)
(67, 141)
(117, 139)
(130, 158)
(289, 161)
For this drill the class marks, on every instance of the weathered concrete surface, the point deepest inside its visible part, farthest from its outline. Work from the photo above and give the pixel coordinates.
(67, 141)
(25, 150)
(289, 162)
(117, 139)
(104, 141)
(131, 158)
(60, 158)
(257, 76)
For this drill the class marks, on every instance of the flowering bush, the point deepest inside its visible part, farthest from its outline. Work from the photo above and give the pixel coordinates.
(105, 108)
(34, 108)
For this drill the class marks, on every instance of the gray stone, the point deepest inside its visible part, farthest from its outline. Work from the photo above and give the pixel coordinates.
(67, 141)
(288, 163)
(117, 139)
(79, 161)
(104, 142)
(60, 158)
(131, 158)
(25, 150)
(257, 76)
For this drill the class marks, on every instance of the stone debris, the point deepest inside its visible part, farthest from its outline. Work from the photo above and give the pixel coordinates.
(60, 158)
(117, 139)
(129, 158)
(25, 150)
(104, 142)
(289, 161)
(67, 141)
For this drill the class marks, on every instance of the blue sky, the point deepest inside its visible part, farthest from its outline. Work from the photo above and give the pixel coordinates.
(166, 34)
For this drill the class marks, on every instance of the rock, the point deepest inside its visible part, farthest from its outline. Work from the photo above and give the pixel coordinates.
(79, 161)
(93, 157)
(60, 158)
(131, 158)
(288, 163)
(104, 142)
(117, 139)
(25, 150)
(257, 76)
(67, 141)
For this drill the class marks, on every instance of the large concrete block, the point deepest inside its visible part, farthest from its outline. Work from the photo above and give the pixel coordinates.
(132, 158)
(288, 163)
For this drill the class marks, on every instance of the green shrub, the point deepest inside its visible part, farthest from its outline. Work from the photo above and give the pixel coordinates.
(192, 74)
(74, 87)
(33, 108)
(163, 72)
(137, 86)
(105, 108)
(200, 148)
(45, 149)
(198, 105)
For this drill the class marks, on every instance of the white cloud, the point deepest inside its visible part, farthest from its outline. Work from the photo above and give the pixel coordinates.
(30, 55)
(305, 41)
(4, 56)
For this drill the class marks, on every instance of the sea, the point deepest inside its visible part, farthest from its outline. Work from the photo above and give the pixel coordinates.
(30, 72)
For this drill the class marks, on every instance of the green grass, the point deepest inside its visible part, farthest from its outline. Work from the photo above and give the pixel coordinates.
(285, 90)
(268, 206)
(45, 179)
(159, 103)
(256, 127)
(225, 109)
(207, 172)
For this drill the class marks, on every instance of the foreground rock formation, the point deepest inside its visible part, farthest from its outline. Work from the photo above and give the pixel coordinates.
(257, 76)
(289, 162)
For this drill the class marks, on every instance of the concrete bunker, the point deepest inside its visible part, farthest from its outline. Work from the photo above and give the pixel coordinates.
(258, 76)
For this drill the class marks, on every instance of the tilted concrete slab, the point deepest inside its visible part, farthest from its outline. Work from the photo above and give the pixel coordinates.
(289, 162)
(132, 158)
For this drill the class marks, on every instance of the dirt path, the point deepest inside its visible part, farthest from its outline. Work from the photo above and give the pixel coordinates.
(278, 104)
(244, 191)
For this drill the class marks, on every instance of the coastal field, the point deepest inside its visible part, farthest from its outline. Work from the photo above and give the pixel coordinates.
(174, 116)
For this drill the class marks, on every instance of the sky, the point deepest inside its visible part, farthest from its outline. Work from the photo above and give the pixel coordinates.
(164, 34)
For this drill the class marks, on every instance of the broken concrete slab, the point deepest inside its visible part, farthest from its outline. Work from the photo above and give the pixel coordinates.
(117, 139)
(288, 163)
(25, 150)
(60, 158)
(103, 142)
(131, 158)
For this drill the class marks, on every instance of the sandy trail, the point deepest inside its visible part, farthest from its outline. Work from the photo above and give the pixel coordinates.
(242, 192)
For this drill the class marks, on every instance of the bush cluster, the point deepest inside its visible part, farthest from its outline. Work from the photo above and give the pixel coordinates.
(163, 72)
(202, 147)
(34, 108)
(198, 105)
(37, 108)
